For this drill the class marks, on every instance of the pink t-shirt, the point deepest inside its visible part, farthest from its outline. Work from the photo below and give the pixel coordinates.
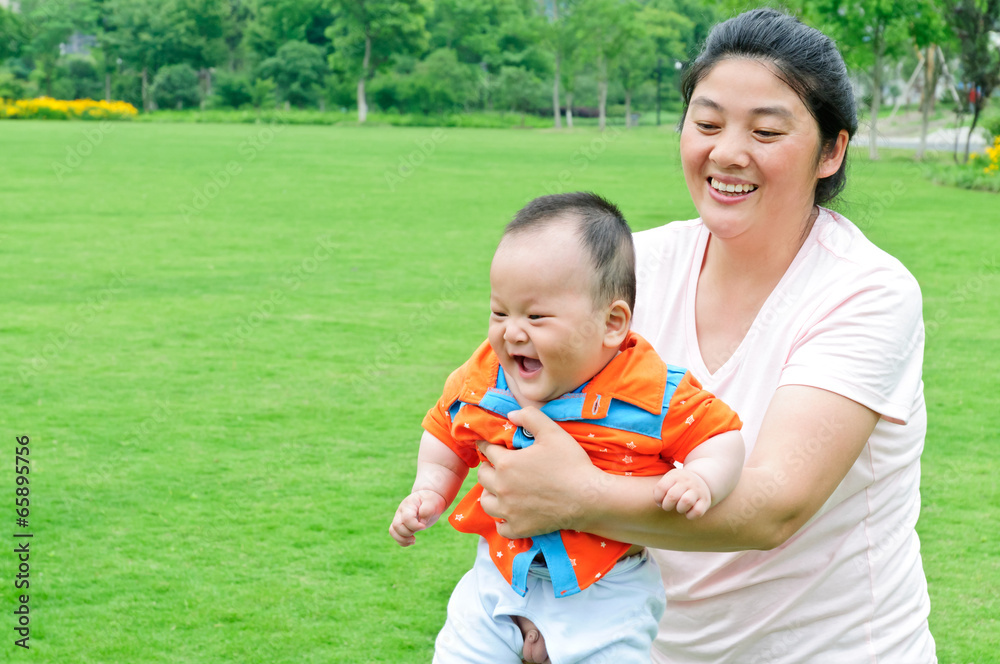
(849, 586)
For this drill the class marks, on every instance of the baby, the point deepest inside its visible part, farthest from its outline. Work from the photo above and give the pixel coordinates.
(562, 293)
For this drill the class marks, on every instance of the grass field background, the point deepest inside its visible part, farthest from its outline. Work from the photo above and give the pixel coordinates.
(221, 341)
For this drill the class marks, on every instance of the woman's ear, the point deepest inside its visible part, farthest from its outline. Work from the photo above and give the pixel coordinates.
(617, 323)
(829, 162)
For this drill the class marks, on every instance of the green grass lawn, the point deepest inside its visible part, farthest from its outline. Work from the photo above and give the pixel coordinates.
(221, 340)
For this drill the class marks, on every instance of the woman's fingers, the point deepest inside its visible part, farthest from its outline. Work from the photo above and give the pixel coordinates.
(531, 489)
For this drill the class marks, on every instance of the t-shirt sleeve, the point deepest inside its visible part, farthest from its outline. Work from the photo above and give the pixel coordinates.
(694, 416)
(437, 421)
(866, 345)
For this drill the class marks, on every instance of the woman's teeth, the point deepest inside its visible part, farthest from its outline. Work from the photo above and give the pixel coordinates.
(732, 188)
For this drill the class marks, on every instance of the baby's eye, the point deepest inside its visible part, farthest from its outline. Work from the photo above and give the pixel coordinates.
(499, 314)
(536, 316)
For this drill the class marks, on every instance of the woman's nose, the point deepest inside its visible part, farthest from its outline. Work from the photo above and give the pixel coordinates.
(730, 149)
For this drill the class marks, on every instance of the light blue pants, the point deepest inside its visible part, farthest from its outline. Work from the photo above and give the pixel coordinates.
(614, 620)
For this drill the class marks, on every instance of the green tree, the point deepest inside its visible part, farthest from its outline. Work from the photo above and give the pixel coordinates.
(673, 35)
(637, 61)
(276, 22)
(46, 25)
(606, 27)
(297, 69)
(11, 33)
(869, 33)
(976, 24)
(928, 29)
(561, 39)
(367, 33)
(147, 35)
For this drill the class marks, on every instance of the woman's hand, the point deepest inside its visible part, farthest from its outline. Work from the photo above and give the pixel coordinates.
(541, 488)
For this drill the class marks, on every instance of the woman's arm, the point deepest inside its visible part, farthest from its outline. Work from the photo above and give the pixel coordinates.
(808, 441)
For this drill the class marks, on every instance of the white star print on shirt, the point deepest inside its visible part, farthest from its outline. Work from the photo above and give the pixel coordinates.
(690, 419)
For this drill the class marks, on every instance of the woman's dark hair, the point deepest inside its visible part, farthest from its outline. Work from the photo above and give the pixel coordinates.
(806, 60)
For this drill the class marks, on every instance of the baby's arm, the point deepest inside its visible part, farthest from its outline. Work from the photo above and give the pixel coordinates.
(440, 473)
(710, 472)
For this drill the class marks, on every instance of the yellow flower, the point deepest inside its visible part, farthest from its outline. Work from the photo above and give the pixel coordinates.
(46, 107)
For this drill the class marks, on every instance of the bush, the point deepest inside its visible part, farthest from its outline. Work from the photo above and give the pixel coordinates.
(493, 120)
(232, 90)
(81, 77)
(262, 93)
(981, 172)
(440, 83)
(991, 122)
(521, 90)
(176, 86)
(12, 87)
(297, 69)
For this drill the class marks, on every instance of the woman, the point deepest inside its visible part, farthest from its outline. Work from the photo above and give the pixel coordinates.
(815, 337)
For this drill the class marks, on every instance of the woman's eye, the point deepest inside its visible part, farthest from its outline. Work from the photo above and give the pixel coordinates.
(767, 134)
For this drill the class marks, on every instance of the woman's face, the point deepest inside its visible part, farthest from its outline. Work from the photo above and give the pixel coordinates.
(751, 153)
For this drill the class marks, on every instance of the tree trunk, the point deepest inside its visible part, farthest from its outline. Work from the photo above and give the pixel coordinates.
(362, 102)
(146, 101)
(628, 109)
(659, 76)
(876, 102)
(927, 101)
(206, 87)
(556, 111)
(569, 110)
(976, 108)
(107, 86)
(602, 93)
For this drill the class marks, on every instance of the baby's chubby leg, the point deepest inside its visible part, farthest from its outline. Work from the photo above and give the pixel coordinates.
(534, 643)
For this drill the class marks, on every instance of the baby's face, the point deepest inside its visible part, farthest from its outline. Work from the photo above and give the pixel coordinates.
(544, 326)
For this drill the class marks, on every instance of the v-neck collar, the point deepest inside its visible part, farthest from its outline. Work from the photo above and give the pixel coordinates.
(696, 359)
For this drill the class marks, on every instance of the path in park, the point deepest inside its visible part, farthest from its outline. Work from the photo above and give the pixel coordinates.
(903, 131)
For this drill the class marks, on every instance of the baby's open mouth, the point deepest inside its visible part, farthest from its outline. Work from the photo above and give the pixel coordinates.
(527, 365)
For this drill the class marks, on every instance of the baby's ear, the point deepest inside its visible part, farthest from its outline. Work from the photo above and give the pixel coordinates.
(617, 323)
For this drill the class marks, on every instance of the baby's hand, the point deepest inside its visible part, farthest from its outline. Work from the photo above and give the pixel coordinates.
(684, 491)
(417, 512)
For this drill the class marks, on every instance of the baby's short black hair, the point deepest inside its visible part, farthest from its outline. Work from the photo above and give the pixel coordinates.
(603, 231)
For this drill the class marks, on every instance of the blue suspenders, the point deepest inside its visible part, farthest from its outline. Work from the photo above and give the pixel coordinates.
(621, 415)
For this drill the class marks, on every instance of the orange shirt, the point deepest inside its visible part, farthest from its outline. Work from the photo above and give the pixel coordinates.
(637, 416)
